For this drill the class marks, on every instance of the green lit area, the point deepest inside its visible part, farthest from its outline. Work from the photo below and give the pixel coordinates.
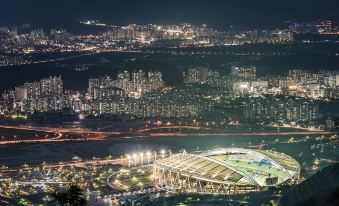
(129, 179)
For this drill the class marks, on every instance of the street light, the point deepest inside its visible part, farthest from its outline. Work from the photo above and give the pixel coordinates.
(162, 154)
(129, 160)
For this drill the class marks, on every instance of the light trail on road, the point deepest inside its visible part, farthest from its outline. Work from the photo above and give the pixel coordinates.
(60, 137)
(61, 133)
(244, 134)
(55, 130)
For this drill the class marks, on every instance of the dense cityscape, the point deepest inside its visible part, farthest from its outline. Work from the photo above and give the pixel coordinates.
(122, 103)
(18, 43)
(240, 97)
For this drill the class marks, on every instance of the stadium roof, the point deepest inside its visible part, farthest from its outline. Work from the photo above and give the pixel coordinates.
(233, 166)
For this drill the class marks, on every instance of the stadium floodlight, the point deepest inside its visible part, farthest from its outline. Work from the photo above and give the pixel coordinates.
(155, 155)
(148, 153)
(162, 153)
(141, 157)
(129, 160)
(135, 159)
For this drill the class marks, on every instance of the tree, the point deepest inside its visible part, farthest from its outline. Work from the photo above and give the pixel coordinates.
(72, 197)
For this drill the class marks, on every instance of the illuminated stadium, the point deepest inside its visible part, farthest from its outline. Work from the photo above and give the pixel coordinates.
(225, 171)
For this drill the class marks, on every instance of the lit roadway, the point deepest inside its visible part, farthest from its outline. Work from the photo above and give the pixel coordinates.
(88, 135)
(55, 130)
(225, 133)
(95, 135)
(243, 134)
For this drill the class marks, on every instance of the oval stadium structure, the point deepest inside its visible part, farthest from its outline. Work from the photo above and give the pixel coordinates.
(225, 171)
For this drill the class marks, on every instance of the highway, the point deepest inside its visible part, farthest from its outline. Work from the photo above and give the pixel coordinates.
(55, 130)
(65, 134)
(59, 133)
(221, 132)
(243, 134)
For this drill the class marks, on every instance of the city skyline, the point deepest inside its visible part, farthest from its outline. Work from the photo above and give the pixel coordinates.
(143, 94)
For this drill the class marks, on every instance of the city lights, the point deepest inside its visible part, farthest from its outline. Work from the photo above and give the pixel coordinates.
(141, 107)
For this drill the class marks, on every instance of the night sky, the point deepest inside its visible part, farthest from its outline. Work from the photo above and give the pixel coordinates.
(218, 13)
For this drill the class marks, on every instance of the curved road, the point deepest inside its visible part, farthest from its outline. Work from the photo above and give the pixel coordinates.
(60, 137)
(61, 133)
